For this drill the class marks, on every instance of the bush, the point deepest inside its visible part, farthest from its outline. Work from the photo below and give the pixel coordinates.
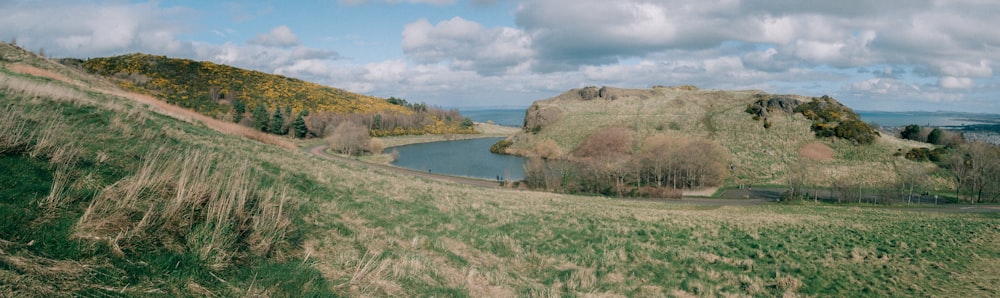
(500, 147)
(660, 193)
(833, 119)
(349, 138)
(934, 137)
(911, 132)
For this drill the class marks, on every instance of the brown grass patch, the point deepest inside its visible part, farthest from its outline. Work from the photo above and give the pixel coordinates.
(816, 151)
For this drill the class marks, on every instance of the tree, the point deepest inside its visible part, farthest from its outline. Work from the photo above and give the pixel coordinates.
(260, 118)
(239, 108)
(278, 123)
(935, 137)
(377, 122)
(911, 132)
(349, 138)
(299, 127)
(467, 123)
(977, 171)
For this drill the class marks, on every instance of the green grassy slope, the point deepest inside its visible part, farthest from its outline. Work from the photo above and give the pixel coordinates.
(103, 197)
(355, 231)
(758, 155)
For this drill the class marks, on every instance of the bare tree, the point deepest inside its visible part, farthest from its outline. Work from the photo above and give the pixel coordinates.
(977, 171)
(349, 138)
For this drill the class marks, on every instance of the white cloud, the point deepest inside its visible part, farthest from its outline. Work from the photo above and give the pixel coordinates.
(869, 51)
(956, 83)
(466, 45)
(280, 36)
(71, 29)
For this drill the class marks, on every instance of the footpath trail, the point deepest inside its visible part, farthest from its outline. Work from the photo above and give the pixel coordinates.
(759, 196)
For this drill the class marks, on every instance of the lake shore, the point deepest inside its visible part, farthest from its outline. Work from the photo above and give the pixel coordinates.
(485, 130)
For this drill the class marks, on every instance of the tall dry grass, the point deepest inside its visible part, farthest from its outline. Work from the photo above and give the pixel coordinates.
(191, 201)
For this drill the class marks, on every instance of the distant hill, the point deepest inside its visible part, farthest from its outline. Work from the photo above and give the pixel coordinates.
(765, 135)
(212, 89)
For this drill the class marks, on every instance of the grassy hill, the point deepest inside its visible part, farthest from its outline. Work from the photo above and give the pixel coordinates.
(757, 155)
(106, 193)
(213, 89)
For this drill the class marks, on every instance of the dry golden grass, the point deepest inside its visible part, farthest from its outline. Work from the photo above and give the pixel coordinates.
(377, 233)
(816, 151)
(210, 202)
(758, 155)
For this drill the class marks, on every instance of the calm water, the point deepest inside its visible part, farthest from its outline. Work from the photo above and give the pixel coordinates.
(469, 158)
(890, 119)
(505, 117)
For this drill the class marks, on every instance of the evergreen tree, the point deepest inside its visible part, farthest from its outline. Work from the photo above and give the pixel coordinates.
(377, 122)
(467, 123)
(935, 136)
(238, 109)
(299, 127)
(277, 123)
(260, 118)
(911, 132)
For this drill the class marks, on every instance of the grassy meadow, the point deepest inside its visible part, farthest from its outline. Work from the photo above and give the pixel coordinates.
(102, 196)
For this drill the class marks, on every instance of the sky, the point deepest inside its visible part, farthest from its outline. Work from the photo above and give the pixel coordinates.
(888, 55)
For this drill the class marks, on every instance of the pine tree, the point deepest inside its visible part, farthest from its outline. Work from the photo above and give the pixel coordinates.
(238, 109)
(277, 121)
(299, 127)
(377, 122)
(260, 118)
(935, 136)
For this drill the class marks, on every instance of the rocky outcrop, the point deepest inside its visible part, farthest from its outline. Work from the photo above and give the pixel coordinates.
(763, 105)
(536, 117)
(588, 93)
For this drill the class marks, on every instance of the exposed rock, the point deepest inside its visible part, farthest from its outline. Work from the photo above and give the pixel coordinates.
(775, 103)
(588, 93)
(535, 117)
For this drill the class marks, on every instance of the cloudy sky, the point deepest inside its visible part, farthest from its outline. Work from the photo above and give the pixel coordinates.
(896, 55)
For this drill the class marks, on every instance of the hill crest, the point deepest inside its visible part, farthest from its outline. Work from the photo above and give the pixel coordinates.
(763, 144)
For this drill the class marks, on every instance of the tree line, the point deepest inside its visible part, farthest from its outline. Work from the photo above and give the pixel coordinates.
(974, 167)
(611, 162)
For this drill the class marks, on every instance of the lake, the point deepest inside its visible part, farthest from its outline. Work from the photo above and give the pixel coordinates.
(468, 158)
(950, 119)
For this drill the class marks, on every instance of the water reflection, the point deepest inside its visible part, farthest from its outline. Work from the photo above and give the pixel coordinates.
(469, 158)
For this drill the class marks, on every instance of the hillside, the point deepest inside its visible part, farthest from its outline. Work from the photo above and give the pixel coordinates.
(104, 192)
(215, 89)
(760, 150)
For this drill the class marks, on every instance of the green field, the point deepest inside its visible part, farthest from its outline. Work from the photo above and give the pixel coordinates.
(102, 196)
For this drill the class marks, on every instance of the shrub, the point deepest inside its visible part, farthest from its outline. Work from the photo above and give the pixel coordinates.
(500, 147)
(911, 132)
(935, 136)
(660, 193)
(349, 138)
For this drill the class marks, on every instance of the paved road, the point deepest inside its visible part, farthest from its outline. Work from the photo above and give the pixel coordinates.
(734, 197)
